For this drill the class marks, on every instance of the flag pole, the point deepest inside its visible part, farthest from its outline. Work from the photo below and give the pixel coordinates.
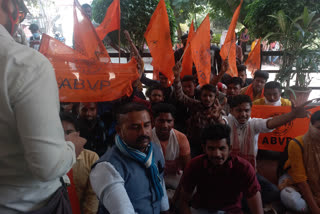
(119, 32)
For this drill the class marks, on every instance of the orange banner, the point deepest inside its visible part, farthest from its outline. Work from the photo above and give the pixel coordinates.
(278, 139)
(158, 39)
(187, 61)
(200, 48)
(254, 59)
(85, 80)
(228, 50)
(86, 40)
(111, 21)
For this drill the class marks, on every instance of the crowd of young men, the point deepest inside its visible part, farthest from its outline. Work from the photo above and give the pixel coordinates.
(187, 149)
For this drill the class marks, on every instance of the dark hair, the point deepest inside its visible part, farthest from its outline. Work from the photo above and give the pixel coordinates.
(130, 107)
(315, 117)
(225, 78)
(261, 74)
(208, 87)
(272, 85)
(84, 6)
(184, 36)
(241, 68)
(163, 108)
(216, 132)
(66, 116)
(187, 78)
(235, 81)
(156, 87)
(33, 28)
(239, 99)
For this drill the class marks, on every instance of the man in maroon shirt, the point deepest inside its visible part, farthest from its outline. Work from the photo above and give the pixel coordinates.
(221, 180)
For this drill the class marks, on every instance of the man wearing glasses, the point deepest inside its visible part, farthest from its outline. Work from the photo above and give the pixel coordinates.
(34, 154)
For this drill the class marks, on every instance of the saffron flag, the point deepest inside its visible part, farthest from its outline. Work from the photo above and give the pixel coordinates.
(228, 49)
(111, 21)
(200, 48)
(158, 39)
(254, 59)
(187, 61)
(83, 79)
(278, 139)
(86, 40)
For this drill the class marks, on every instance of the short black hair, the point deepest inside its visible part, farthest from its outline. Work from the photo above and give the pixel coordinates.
(235, 81)
(239, 99)
(156, 87)
(261, 74)
(184, 36)
(241, 68)
(70, 118)
(130, 107)
(33, 28)
(272, 85)
(84, 6)
(225, 78)
(163, 108)
(315, 117)
(216, 132)
(208, 87)
(187, 78)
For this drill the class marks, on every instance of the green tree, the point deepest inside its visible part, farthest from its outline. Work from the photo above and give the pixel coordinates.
(135, 17)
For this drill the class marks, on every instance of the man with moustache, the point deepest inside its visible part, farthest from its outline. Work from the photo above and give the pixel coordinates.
(220, 179)
(128, 178)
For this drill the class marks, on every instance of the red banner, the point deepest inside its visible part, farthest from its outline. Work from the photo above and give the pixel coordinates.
(278, 139)
(187, 61)
(254, 59)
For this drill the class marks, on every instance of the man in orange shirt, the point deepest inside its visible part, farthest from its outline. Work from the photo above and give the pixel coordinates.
(175, 145)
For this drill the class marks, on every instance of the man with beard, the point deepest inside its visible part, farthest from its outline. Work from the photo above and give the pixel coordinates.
(219, 178)
(92, 128)
(128, 178)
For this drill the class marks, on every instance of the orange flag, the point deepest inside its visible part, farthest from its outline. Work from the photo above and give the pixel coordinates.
(228, 50)
(200, 48)
(158, 39)
(254, 59)
(86, 40)
(111, 21)
(83, 79)
(187, 61)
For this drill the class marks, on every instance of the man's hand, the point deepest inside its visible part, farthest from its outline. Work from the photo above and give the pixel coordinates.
(77, 141)
(302, 110)
(177, 69)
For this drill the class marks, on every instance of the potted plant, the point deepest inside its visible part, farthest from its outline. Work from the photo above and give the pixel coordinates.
(300, 42)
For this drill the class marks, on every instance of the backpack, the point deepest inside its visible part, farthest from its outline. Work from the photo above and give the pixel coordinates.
(284, 157)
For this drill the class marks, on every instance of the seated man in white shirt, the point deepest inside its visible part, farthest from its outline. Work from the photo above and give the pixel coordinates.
(128, 178)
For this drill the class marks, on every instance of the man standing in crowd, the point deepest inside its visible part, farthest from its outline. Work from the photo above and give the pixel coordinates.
(128, 178)
(272, 96)
(242, 73)
(220, 179)
(256, 89)
(155, 94)
(34, 154)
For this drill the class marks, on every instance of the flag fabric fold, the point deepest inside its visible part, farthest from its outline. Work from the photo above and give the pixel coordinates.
(158, 39)
(253, 62)
(187, 61)
(200, 49)
(228, 49)
(111, 21)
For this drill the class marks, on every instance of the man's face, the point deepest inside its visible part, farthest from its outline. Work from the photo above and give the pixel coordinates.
(207, 98)
(163, 124)
(242, 112)
(68, 128)
(163, 81)
(243, 76)
(88, 111)
(188, 88)
(233, 89)
(258, 84)
(272, 95)
(88, 12)
(217, 151)
(135, 129)
(156, 96)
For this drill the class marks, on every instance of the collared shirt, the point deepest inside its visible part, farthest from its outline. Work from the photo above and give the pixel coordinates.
(219, 188)
(81, 172)
(34, 154)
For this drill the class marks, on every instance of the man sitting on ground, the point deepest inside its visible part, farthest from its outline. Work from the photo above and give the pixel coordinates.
(128, 178)
(175, 145)
(220, 179)
(272, 96)
(256, 89)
